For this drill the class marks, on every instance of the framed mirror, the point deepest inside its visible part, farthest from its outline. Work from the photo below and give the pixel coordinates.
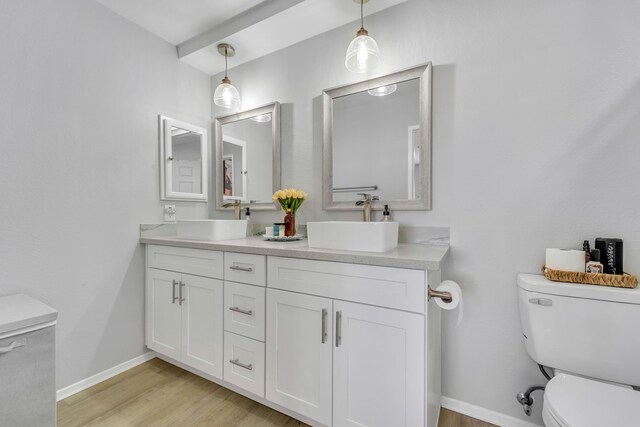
(248, 157)
(183, 161)
(377, 140)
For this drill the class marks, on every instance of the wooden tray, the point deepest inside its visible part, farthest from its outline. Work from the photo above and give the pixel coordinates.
(617, 280)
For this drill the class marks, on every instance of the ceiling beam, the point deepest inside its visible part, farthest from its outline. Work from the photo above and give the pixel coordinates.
(249, 17)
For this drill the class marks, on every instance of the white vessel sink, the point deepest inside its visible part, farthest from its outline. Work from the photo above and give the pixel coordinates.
(353, 235)
(212, 229)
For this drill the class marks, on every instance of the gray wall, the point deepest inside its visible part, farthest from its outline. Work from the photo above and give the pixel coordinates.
(533, 102)
(80, 91)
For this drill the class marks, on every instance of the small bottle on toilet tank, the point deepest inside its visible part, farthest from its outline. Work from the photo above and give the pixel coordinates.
(594, 265)
(587, 252)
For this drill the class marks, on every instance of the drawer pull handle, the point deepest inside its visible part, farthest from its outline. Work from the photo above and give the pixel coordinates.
(236, 362)
(239, 310)
(10, 347)
(173, 295)
(239, 268)
(324, 325)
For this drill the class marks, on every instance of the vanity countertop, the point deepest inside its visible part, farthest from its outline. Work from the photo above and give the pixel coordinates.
(406, 255)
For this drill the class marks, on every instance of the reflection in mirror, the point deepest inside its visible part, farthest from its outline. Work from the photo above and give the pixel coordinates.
(248, 156)
(377, 140)
(183, 149)
(187, 161)
(246, 153)
(374, 143)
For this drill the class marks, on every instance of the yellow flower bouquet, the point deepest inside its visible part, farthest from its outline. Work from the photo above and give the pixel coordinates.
(289, 198)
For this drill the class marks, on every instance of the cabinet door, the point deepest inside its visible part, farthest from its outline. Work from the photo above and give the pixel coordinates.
(299, 347)
(378, 372)
(202, 345)
(163, 314)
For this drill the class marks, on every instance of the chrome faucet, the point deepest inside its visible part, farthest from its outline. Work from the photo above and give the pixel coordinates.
(366, 203)
(236, 208)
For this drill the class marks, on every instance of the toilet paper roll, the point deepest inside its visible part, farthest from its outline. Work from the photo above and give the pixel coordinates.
(456, 298)
(565, 260)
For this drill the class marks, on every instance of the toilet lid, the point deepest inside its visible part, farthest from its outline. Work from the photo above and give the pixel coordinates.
(580, 402)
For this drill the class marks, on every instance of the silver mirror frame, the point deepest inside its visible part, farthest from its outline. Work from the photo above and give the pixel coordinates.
(164, 135)
(423, 202)
(274, 110)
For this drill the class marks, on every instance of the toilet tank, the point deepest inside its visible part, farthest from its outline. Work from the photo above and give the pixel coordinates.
(585, 329)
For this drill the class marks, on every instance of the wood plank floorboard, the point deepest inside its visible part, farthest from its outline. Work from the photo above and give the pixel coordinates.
(158, 394)
(453, 419)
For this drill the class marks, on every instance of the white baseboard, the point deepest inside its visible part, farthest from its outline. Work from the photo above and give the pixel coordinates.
(65, 392)
(484, 414)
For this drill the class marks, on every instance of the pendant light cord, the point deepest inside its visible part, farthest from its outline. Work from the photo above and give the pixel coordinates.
(362, 13)
(226, 55)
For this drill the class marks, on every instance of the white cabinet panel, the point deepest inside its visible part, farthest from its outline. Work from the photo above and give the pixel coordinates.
(163, 313)
(244, 363)
(299, 353)
(384, 286)
(378, 367)
(244, 310)
(245, 268)
(202, 345)
(186, 260)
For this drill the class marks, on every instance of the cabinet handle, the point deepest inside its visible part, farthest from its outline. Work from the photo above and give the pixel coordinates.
(239, 268)
(181, 300)
(242, 365)
(324, 325)
(239, 310)
(338, 328)
(173, 294)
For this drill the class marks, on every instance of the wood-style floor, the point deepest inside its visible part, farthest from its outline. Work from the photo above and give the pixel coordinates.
(159, 394)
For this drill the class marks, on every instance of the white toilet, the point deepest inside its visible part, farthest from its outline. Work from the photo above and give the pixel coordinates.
(590, 336)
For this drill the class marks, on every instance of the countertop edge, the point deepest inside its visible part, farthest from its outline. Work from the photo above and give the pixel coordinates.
(377, 259)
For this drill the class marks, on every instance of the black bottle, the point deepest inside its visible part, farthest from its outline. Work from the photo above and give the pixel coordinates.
(610, 254)
(587, 251)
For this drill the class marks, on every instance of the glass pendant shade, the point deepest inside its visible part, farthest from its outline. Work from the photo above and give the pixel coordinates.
(362, 54)
(261, 118)
(383, 90)
(226, 95)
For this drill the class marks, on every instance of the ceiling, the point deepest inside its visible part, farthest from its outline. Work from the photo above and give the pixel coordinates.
(254, 27)
(178, 20)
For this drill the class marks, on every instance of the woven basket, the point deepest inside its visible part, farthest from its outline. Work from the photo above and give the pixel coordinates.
(617, 280)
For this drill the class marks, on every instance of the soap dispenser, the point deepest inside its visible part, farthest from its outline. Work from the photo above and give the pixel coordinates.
(247, 215)
(386, 215)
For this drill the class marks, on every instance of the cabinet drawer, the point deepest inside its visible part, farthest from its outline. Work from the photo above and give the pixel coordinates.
(245, 268)
(244, 310)
(185, 260)
(399, 288)
(244, 363)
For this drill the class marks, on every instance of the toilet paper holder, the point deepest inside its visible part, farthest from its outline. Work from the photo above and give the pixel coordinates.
(444, 296)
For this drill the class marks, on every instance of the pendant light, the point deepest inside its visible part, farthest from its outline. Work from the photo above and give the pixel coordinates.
(226, 94)
(261, 118)
(363, 53)
(383, 90)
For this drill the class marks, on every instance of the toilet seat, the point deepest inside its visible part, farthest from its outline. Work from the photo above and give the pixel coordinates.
(571, 401)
